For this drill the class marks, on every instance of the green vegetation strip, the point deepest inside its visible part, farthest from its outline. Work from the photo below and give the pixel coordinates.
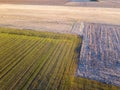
(41, 60)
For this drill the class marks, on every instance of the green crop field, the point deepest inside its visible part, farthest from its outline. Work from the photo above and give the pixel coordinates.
(41, 61)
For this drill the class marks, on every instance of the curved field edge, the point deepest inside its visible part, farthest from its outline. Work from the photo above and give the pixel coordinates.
(41, 60)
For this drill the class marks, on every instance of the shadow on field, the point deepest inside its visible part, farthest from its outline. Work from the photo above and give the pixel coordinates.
(78, 51)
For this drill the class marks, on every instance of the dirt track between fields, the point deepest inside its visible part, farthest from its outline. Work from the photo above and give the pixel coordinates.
(55, 18)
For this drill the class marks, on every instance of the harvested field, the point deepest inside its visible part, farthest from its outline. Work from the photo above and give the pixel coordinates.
(81, 3)
(41, 60)
(106, 4)
(100, 53)
(61, 19)
(43, 2)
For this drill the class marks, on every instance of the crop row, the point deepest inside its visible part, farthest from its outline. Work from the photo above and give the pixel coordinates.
(32, 62)
(100, 53)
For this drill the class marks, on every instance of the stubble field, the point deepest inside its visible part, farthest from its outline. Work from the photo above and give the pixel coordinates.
(100, 53)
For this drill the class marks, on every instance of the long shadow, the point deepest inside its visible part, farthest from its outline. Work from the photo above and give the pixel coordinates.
(78, 51)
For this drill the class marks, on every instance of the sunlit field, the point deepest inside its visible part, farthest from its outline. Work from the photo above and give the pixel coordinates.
(41, 60)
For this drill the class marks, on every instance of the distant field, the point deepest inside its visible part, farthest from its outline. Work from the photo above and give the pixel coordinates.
(41, 60)
(62, 19)
(81, 3)
(47, 2)
(105, 4)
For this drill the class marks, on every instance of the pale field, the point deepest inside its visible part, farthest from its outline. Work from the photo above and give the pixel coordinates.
(104, 4)
(55, 18)
(46, 2)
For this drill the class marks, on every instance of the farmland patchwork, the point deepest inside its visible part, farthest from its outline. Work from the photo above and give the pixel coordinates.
(42, 60)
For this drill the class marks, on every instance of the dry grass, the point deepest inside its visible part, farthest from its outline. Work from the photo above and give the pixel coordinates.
(54, 18)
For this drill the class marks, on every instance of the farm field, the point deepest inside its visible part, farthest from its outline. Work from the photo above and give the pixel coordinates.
(41, 60)
(60, 19)
(38, 2)
(80, 3)
(100, 53)
(103, 4)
